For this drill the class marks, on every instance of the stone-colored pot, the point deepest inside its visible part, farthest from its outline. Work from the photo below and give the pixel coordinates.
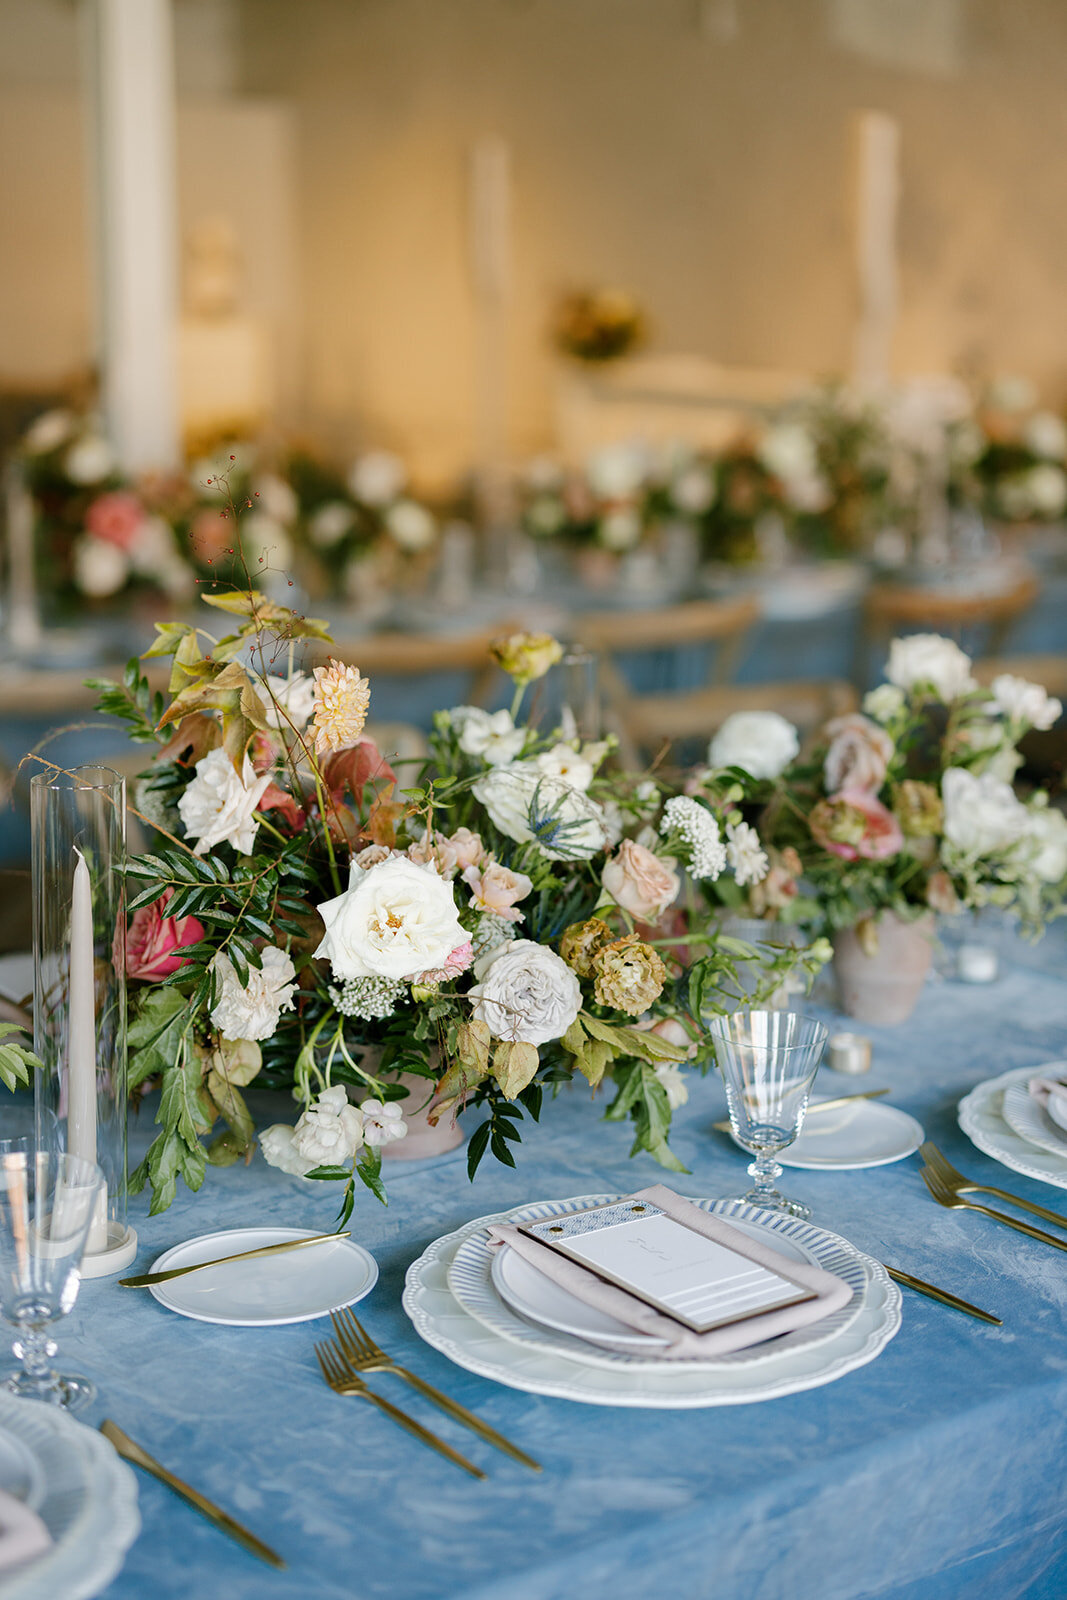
(884, 988)
(422, 1139)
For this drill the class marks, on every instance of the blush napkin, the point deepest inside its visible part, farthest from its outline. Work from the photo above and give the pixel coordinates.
(23, 1536)
(681, 1342)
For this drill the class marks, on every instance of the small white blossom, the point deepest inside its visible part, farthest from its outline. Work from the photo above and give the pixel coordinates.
(761, 743)
(489, 734)
(1022, 701)
(1045, 435)
(382, 1123)
(368, 999)
(885, 702)
(290, 701)
(672, 1078)
(564, 762)
(691, 822)
(330, 1131)
(745, 853)
(48, 432)
(219, 806)
(620, 529)
(277, 498)
(252, 1011)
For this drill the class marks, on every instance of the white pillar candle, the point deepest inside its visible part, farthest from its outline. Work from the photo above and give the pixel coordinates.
(24, 622)
(876, 246)
(489, 214)
(81, 1040)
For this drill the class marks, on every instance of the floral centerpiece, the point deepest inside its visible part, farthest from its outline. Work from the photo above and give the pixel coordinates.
(1010, 458)
(509, 919)
(348, 520)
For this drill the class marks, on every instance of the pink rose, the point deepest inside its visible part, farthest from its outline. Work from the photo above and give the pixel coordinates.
(458, 961)
(496, 888)
(468, 847)
(115, 517)
(859, 754)
(854, 824)
(640, 882)
(153, 941)
(434, 850)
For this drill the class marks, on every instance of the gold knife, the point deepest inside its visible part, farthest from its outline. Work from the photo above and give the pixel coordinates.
(825, 1105)
(146, 1278)
(131, 1451)
(943, 1295)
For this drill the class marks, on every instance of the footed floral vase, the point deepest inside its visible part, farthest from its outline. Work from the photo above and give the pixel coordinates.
(883, 987)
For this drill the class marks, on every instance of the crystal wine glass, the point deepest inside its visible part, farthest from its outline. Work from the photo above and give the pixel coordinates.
(768, 1061)
(47, 1202)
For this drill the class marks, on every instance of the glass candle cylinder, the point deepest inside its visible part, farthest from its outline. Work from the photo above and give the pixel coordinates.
(78, 820)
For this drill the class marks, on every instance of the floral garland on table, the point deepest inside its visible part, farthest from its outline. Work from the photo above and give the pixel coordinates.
(507, 923)
(909, 806)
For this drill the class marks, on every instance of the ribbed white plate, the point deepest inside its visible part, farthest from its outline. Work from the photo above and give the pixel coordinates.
(470, 1277)
(89, 1505)
(1032, 1121)
(981, 1116)
(441, 1320)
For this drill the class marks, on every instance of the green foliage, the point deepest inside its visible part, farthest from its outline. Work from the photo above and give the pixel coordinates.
(16, 1060)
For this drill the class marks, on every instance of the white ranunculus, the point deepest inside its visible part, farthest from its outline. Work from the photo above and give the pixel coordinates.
(265, 543)
(295, 696)
(759, 742)
(382, 1123)
(693, 490)
(395, 920)
(277, 498)
(252, 1011)
(620, 529)
(100, 567)
(617, 471)
(89, 459)
(1048, 836)
(573, 766)
(1023, 701)
(411, 525)
(927, 660)
(527, 804)
(330, 1131)
(48, 432)
(1045, 435)
(788, 451)
(1046, 486)
(377, 478)
(328, 525)
(219, 806)
(489, 734)
(278, 1143)
(885, 702)
(527, 993)
(982, 815)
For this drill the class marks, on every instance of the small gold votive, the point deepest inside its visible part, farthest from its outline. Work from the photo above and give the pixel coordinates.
(848, 1052)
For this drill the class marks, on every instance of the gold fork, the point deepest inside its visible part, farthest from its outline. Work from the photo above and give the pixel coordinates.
(946, 1197)
(958, 1184)
(343, 1380)
(363, 1355)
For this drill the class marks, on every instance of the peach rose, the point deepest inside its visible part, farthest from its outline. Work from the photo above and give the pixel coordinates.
(641, 883)
(468, 848)
(497, 889)
(859, 753)
(154, 942)
(854, 824)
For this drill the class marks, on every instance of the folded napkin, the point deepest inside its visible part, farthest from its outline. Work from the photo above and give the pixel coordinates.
(1051, 1093)
(681, 1342)
(23, 1536)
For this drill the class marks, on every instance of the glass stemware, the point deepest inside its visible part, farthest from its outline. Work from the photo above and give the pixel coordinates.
(768, 1061)
(47, 1203)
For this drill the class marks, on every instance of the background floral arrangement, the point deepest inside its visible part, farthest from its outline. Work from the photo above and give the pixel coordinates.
(1008, 458)
(598, 324)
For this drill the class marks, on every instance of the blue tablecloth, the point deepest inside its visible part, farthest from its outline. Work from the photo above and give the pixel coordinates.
(936, 1471)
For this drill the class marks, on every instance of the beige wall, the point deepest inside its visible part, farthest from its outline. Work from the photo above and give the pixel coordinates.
(709, 173)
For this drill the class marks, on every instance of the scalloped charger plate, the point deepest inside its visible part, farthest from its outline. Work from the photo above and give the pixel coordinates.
(981, 1116)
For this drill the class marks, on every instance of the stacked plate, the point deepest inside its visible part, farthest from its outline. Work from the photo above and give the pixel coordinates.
(494, 1314)
(1002, 1118)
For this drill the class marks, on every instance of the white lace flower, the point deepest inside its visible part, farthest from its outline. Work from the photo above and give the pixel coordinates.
(745, 853)
(382, 1123)
(927, 660)
(690, 822)
(761, 743)
(394, 921)
(330, 1131)
(219, 806)
(367, 999)
(1023, 701)
(491, 735)
(527, 993)
(252, 1011)
(295, 697)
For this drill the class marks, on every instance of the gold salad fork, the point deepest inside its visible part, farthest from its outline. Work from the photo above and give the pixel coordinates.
(343, 1380)
(363, 1355)
(946, 1197)
(958, 1184)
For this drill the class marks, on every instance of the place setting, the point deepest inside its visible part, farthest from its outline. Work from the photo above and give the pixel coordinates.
(1019, 1118)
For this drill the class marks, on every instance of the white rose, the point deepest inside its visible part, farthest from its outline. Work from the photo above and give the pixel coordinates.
(278, 1143)
(1046, 486)
(330, 1132)
(377, 478)
(329, 524)
(788, 451)
(219, 806)
(89, 460)
(1023, 701)
(885, 702)
(276, 498)
(265, 542)
(1048, 834)
(382, 1123)
(929, 660)
(982, 815)
(617, 471)
(528, 993)
(1045, 435)
(573, 766)
(295, 696)
(526, 804)
(693, 490)
(252, 1012)
(759, 742)
(491, 735)
(48, 432)
(394, 921)
(100, 567)
(411, 525)
(620, 529)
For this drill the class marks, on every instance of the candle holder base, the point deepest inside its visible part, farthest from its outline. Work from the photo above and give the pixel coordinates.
(120, 1252)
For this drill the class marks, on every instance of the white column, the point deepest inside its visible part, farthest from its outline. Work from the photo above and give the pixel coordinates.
(878, 185)
(134, 118)
(490, 261)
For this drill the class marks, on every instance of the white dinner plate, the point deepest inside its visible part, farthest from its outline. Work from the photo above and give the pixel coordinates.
(269, 1290)
(21, 1473)
(981, 1116)
(88, 1504)
(867, 1134)
(598, 1377)
(1032, 1121)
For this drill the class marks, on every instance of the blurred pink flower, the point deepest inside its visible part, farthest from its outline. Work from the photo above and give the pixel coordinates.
(115, 517)
(154, 942)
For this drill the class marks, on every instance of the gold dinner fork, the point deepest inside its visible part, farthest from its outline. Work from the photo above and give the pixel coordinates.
(945, 1197)
(363, 1355)
(343, 1380)
(958, 1184)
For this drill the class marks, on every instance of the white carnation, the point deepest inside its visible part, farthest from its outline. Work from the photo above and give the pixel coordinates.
(527, 994)
(1022, 701)
(927, 660)
(395, 920)
(529, 806)
(219, 806)
(983, 817)
(489, 734)
(100, 567)
(761, 743)
(252, 1011)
